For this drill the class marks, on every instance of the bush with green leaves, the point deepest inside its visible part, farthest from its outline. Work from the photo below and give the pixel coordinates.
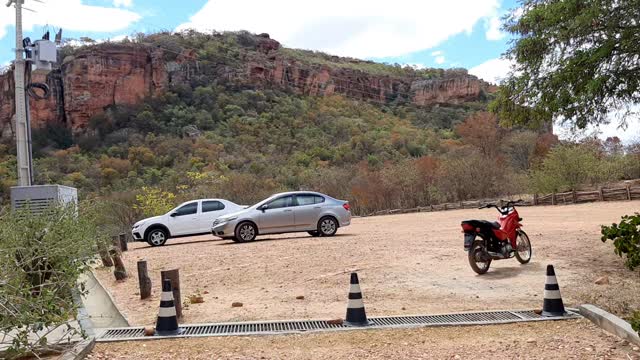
(154, 201)
(41, 259)
(626, 239)
(635, 321)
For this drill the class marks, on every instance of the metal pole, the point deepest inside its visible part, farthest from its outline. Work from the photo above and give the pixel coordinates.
(22, 130)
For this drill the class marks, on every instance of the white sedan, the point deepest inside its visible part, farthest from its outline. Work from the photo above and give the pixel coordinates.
(187, 219)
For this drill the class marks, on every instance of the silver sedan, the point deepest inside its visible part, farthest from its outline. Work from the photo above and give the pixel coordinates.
(298, 211)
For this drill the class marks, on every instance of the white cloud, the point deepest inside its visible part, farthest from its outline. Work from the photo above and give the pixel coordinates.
(359, 28)
(493, 70)
(628, 135)
(436, 53)
(122, 3)
(118, 38)
(70, 15)
(417, 66)
(439, 60)
(492, 26)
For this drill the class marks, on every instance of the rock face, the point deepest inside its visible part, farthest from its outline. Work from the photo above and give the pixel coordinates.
(302, 78)
(118, 75)
(95, 78)
(42, 112)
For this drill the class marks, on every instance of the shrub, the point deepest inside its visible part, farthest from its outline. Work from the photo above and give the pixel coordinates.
(41, 258)
(635, 322)
(153, 201)
(626, 239)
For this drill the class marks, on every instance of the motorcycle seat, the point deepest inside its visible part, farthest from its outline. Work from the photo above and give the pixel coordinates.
(483, 223)
(493, 224)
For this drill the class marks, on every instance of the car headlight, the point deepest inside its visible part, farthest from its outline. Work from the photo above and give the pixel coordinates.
(135, 226)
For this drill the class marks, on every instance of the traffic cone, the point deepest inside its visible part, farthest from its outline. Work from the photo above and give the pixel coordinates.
(553, 305)
(167, 323)
(356, 315)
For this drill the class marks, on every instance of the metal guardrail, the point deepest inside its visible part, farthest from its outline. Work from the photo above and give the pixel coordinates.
(298, 326)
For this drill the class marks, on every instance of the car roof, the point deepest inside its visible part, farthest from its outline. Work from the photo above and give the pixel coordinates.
(298, 192)
(194, 200)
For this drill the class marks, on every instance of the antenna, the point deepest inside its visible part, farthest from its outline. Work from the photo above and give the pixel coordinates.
(59, 37)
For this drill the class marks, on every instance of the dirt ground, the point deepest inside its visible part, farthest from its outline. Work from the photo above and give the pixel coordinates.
(576, 339)
(408, 264)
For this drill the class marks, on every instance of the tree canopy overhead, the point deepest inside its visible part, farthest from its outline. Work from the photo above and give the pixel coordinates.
(577, 61)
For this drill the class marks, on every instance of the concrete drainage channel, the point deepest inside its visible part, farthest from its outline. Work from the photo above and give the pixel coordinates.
(298, 326)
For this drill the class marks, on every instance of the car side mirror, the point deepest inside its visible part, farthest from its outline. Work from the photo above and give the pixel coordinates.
(174, 214)
(264, 207)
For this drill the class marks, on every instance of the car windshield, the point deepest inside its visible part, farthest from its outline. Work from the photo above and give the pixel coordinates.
(264, 201)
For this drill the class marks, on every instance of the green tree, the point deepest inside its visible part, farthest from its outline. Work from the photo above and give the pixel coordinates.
(576, 60)
(153, 201)
(568, 166)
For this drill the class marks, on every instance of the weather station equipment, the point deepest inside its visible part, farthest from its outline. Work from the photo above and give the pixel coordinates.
(39, 58)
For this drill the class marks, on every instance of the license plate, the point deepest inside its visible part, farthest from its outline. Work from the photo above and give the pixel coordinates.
(468, 240)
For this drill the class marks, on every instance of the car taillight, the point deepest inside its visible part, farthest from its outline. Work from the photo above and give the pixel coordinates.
(346, 206)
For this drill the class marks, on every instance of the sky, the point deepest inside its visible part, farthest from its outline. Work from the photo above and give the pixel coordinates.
(426, 33)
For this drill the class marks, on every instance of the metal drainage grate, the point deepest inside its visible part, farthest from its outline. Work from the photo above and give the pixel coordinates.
(284, 327)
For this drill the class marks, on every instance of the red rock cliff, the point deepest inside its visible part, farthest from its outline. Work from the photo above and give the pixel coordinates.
(97, 77)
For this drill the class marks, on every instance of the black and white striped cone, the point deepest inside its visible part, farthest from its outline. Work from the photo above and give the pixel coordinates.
(356, 315)
(553, 305)
(167, 323)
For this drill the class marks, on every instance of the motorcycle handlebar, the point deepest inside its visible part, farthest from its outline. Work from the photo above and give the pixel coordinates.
(508, 204)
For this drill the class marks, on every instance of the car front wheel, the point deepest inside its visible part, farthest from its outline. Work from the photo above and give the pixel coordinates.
(246, 232)
(157, 237)
(327, 226)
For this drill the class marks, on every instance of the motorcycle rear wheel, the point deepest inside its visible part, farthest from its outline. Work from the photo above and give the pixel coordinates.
(476, 262)
(523, 248)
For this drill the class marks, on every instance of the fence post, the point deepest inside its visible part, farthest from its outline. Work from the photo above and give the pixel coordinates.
(144, 280)
(601, 194)
(123, 242)
(104, 254)
(174, 277)
(628, 193)
(535, 199)
(575, 196)
(119, 270)
(553, 198)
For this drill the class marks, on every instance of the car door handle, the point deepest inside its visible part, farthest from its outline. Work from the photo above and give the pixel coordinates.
(317, 207)
(287, 210)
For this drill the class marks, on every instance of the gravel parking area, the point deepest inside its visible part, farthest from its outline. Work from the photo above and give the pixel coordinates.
(576, 339)
(408, 264)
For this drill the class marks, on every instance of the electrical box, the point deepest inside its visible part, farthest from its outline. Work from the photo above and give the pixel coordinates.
(40, 197)
(44, 56)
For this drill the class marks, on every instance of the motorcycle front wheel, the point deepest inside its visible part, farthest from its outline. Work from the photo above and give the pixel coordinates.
(523, 248)
(479, 263)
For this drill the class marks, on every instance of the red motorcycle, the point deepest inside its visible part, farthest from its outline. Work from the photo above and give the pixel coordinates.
(486, 241)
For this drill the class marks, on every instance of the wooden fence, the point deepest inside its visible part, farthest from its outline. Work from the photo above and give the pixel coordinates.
(577, 197)
(565, 198)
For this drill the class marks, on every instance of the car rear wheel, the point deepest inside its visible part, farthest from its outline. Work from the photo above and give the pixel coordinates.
(327, 226)
(157, 237)
(246, 232)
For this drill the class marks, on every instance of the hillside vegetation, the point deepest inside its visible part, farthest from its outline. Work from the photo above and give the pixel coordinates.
(208, 138)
